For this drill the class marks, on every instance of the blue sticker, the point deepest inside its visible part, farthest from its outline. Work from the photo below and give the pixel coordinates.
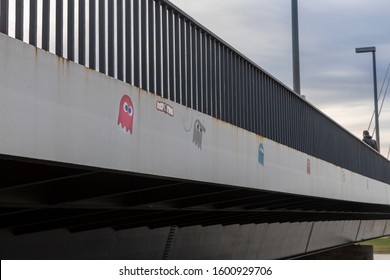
(261, 154)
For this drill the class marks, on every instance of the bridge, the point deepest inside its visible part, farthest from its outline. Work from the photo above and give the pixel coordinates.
(130, 131)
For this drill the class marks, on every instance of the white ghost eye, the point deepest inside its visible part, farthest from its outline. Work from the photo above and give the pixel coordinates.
(125, 107)
(130, 110)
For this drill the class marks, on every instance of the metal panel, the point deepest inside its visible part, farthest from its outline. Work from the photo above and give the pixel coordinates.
(33, 23)
(151, 17)
(159, 87)
(82, 26)
(102, 36)
(171, 51)
(189, 54)
(4, 10)
(92, 34)
(165, 70)
(46, 25)
(183, 61)
(19, 19)
(59, 27)
(128, 41)
(177, 58)
(111, 38)
(144, 45)
(120, 40)
(70, 39)
(136, 37)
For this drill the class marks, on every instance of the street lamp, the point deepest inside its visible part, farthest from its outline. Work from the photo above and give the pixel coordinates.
(372, 50)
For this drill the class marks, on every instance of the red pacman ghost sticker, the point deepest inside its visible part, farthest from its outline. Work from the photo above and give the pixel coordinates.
(126, 113)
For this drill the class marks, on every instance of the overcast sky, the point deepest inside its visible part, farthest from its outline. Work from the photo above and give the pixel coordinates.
(333, 77)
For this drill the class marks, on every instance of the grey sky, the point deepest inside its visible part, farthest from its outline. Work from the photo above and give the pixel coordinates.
(333, 77)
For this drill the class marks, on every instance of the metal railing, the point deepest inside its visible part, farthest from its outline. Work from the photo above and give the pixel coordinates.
(153, 45)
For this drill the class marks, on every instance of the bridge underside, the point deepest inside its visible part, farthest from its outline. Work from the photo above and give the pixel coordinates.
(39, 196)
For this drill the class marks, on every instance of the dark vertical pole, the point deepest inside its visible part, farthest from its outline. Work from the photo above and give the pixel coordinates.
(4, 16)
(92, 34)
(171, 56)
(158, 48)
(177, 58)
(151, 46)
(295, 46)
(59, 27)
(102, 37)
(70, 30)
(111, 51)
(82, 32)
(199, 71)
(136, 44)
(128, 42)
(19, 20)
(120, 39)
(33, 23)
(144, 46)
(46, 25)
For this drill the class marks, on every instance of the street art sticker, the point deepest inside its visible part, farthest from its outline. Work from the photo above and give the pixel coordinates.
(261, 154)
(165, 108)
(198, 130)
(126, 114)
(308, 167)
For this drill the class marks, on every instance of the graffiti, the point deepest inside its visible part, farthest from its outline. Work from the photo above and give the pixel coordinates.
(308, 167)
(126, 114)
(199, 129)
(165, 108)
(261, 154)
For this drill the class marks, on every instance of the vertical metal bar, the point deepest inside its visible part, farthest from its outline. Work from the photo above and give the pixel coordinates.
(218, 80)
(189, 53)
(199, 70)
(128, 48)
(136, 43)
(33, 23)
(171, 56)
(92, 34)
(178, 76)
(184, 80)
(165, 51)
(102, 37)
(151, 16)
(111, 38)
(19, 19)
(144, 45)
(205, 71)
(213, 79)
(157, 8)
(82, 32)
(194, 65)
(120, 40)
(70, 38)
(59, 27)
(4, 10)
(210, 73)
(46, 25)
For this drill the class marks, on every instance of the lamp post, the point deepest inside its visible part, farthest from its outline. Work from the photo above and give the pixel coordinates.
(295, 46)
(372, 50)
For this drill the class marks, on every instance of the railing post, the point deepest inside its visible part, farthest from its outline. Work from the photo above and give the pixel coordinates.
(4, 16)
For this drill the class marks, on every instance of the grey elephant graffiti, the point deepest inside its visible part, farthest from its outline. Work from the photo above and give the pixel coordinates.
(199, 129)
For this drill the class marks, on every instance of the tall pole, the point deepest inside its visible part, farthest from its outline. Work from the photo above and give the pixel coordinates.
(295, 47)
(376, 101)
